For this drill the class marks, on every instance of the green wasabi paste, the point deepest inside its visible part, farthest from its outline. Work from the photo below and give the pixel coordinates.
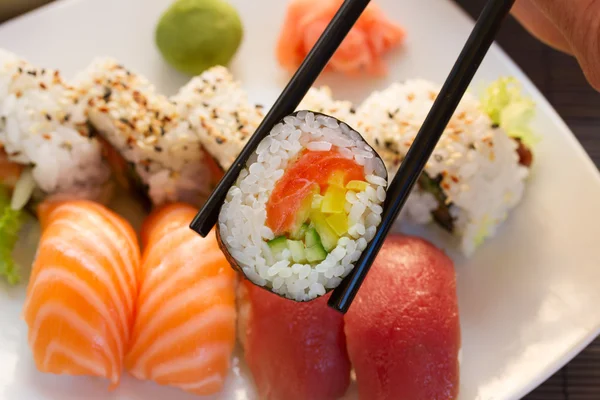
(194, 35)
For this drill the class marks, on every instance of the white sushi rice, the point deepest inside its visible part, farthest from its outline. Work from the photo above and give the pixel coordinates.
(219, 110)
(479, 165)
(242, 220)
(43, 124)
(148, 131)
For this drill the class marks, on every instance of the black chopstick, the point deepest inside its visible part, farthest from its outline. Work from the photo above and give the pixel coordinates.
(452, 91)
(292, 95)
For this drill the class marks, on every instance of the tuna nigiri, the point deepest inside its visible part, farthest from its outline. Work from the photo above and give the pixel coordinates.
(295, 351)
(403, 328)
(372, 36)
(184, 332)
(80, 298)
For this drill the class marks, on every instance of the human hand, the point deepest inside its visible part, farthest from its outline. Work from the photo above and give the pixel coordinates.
(572, 26)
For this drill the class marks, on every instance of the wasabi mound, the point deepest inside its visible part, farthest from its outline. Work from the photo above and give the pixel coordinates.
(194, 35)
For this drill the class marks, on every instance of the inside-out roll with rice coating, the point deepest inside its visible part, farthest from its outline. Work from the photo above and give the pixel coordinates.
(305, 207)
(476, 173)
(219, 110)
(43, 129)
(160, 153)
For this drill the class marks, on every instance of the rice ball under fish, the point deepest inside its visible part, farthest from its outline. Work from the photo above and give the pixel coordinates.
(475, 175)
(162, 153)
(305, 207)
(43, 127)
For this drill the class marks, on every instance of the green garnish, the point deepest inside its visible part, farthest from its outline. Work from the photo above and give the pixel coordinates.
(509, 109)
(10, 224)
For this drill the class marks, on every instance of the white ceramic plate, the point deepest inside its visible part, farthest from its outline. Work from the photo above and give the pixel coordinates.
(528, 298)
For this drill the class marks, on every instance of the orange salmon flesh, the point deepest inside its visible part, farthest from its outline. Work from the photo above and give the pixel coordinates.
(309, 174)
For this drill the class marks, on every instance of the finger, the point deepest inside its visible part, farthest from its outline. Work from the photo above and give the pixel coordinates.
(579, 22)
(536, 22)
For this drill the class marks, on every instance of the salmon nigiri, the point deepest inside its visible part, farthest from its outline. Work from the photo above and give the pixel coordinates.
(403, 329)
(184, 332)
(81, 294)
(295, 351)
(362, 50)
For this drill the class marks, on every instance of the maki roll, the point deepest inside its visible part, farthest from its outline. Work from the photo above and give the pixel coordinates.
(219, 111)
(44, 133)
(305, 206)
(46, 149)
(478, 169)
(156, 151)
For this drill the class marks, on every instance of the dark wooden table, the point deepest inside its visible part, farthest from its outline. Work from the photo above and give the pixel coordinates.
(559, 78)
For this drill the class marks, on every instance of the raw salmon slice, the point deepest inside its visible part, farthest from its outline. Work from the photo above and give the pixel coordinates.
(403, 329)
(80, 298)
(309, 174)
(295, 351)
(184, 332)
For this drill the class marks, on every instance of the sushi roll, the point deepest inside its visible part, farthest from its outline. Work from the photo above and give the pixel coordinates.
(476, 174)
(305, 206)
(219, 111)
(43, 130)
(156, 151)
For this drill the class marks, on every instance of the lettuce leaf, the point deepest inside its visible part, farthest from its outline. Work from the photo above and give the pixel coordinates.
(509, 109)
(10, 224)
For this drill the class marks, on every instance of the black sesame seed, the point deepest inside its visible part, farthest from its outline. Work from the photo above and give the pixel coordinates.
(472, 146)
(67, 117)
(43, 71)
(438, 158)
(158, 148)
(32, 73)
(390, 115)
(388, 144)
(219, 140)
(48, 117)
(205, 104)
(495, 126)
(162, 131)
(20, 70)
(240, 127)
(376, 141)
(107, 93)
(260, 106)
(352, 110)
